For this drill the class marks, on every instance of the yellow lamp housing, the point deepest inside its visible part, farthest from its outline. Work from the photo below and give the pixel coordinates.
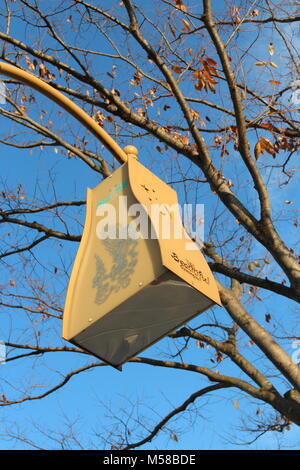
(133, 281)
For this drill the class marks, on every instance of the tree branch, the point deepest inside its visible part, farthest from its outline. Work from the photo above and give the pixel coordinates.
(6, 402)
(191, 399)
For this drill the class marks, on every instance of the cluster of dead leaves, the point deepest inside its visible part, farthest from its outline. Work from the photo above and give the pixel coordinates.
(3, 398)
(205, 75)
(262, 146)
(219, 356)
(100, 118)
(236, 14)
(180, 5)
(44, 72)
(281, 143)
(30, 65)
(177, 135)
(269, 62)
(197, 117)
(19, 196)
(231, 136)
(287, 144)
(136, 80)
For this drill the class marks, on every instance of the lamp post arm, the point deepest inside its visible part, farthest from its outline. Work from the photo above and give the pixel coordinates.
(56, 96)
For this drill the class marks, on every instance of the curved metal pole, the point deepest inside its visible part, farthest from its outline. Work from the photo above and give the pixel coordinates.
(55, 95)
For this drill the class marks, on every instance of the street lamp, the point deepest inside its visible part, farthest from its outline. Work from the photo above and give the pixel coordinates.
(137, 275)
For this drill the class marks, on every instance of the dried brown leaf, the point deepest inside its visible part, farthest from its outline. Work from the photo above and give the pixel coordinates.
(257, 150)
(211, 61)
(176, 69)
(172, 30)
(186, 25)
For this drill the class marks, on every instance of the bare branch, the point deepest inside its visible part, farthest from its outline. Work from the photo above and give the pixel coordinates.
(180, 409)
(40, 228)
(66, 379)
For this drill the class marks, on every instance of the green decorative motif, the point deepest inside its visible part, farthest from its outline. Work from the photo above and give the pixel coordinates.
(124, 260)
(114, 193)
